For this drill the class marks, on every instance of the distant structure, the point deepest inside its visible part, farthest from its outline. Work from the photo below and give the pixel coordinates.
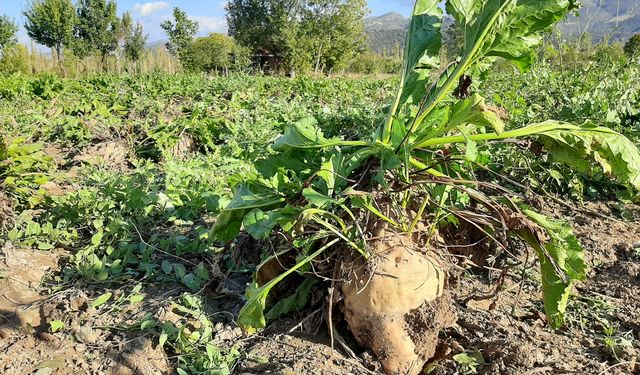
(268, 62)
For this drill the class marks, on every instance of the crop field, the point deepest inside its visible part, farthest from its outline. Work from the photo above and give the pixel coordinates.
(428, 223)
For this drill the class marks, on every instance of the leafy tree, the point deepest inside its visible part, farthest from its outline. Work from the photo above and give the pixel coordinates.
(335, 31)
(97, 28)
(211, 53)
(632, 47)
(8, 30)
(125, 27)
(309, 34)
(134, 43)
(260, 24)
(51, 23)
(180, 33)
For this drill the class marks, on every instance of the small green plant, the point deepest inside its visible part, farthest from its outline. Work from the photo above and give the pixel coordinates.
(24, 169)
(614, 340)
(468, 363)
(192, 342)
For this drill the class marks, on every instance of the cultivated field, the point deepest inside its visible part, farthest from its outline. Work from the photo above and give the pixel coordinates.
(136, 238)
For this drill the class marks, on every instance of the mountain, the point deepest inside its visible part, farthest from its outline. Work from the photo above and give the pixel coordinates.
(618, 19)
(386, 33)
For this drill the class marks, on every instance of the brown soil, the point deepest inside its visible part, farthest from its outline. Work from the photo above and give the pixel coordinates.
(112, 155)
(27, 346)
(507, 334)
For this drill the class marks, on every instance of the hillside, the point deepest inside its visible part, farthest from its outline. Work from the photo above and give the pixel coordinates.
(387, 32)
(618, 19)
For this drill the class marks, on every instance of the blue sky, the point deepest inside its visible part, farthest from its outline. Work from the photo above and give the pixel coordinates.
(209, 13)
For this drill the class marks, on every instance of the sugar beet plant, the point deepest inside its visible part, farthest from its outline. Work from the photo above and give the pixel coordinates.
(375, 217)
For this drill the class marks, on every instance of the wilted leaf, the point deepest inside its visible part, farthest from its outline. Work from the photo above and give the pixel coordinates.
(101, 300)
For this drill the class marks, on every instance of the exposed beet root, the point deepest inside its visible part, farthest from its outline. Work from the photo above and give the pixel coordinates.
(396, 304)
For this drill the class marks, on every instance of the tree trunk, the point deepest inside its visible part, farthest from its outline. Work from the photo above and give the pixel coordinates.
(60, 62)
(319, 57)
(104, 63)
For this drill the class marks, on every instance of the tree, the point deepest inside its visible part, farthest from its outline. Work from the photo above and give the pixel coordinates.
(632, 47)
(134, 43)
(309, 34)
(97, 28)
(260, 24)
(180, 33)
(335, 30)
(215, 52)
(125, 27)
(51, 23)
(8, 31)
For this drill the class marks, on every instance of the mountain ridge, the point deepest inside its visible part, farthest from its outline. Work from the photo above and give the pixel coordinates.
(618, 20)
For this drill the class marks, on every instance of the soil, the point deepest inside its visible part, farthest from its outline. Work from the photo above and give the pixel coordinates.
(506, 334)
(112, 154)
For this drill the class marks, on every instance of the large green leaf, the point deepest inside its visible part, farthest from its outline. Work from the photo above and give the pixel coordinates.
(294, 302)
(561, 262)
(252, 313)
(505, 28)
(522, 29)
(616, 154)
(575, 145)
(252, 196)
(305, 134)
(422, 49)
(472, 110)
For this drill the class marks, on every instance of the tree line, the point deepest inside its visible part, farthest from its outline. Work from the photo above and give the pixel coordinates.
(301, 35)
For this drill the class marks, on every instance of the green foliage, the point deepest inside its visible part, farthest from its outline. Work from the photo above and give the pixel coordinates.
(259, 24)
(561, 262)
(135, 43)
(331, 32)
(97, 28)
(23, 170)
(310, 35)
(197, 353)
(51, 23)
(468, 363)
(8, 31)
(372, 63)
(433, 109)
(15, 59)
(213, 53)
(632, 46)
(571, 84)
(180, 32)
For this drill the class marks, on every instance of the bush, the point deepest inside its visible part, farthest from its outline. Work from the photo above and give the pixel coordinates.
(372, 63)
(213, 53)
(15, 60)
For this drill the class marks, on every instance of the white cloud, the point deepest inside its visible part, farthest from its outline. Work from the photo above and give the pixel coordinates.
(209, 24)
(148, 8)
